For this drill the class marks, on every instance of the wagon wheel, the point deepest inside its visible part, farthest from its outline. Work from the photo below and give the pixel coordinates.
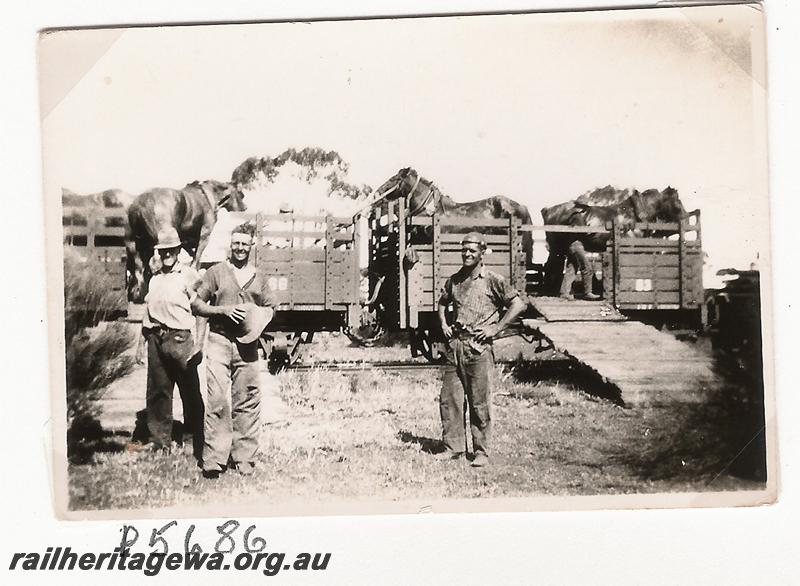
(423, 345)
(369, 330)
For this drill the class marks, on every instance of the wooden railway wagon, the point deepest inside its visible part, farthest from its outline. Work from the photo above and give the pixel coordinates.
(657, 274)
(411, 257)
(311, 267)
(95, 235)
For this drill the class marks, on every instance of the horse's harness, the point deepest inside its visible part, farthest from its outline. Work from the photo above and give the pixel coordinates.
(222, 201)
(210, 197)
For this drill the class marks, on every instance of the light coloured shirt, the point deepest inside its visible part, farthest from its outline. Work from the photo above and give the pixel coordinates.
(169, 298)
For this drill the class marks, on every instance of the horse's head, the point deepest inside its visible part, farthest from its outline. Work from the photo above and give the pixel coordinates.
(397, 185)
(653, 205)
(223, 195)
(421, 195)
(671, 207)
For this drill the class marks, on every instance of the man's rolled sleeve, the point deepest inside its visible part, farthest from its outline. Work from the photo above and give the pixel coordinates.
(504, 291)
(208, 285)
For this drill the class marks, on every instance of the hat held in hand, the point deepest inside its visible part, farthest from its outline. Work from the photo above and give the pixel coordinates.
(255, 320)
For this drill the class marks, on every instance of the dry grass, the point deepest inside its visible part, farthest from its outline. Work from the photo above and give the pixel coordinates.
(369, 435)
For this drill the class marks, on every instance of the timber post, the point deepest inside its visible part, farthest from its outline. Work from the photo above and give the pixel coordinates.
(436, 253)
(401, 252)
(616, 234)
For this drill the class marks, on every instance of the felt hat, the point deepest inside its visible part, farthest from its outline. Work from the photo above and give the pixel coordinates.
(167, 238)
(255, 320)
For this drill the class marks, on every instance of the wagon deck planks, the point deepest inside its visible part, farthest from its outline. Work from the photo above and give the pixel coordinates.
(557, 309)
(646, 366)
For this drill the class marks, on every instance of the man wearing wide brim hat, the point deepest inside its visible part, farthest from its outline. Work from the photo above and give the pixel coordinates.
(236, 300)
(168, 326)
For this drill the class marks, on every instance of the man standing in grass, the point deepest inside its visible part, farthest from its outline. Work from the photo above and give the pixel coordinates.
(233, 296)
(477, 296)
(172, 353)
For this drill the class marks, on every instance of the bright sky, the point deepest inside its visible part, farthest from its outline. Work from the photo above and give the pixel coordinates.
(539, 107)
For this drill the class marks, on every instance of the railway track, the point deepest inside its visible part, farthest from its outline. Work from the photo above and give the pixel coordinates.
(549, 367)
(389, 366)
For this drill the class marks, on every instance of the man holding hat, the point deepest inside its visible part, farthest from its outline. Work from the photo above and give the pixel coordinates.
(171, 351)
(477, 296)
(234, 298)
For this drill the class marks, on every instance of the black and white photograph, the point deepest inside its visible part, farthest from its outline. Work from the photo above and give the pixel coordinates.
(492, 262)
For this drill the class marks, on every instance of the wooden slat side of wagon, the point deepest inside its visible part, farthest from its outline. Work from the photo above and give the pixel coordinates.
(660, 274)
(310, 264)
(656, 272)
(410, 258)
(95, 237)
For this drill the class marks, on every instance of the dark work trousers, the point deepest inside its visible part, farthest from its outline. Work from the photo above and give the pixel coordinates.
(168, 354)
(577, 262)
(469, 371)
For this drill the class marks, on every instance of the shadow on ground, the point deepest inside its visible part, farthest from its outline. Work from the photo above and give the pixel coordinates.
(426, 444)
(723, 436)
(86, 437)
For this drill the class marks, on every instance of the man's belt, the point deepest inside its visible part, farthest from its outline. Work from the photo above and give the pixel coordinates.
(161, 329)
(463, 332)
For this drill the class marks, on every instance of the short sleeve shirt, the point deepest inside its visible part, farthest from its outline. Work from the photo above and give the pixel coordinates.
(169, 298)
(477, 299)
(220, 287)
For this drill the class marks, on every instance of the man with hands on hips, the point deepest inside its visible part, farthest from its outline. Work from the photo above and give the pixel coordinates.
(477, 296)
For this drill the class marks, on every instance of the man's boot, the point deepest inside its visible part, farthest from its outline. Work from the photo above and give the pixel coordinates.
(566, 282)
(586, 276)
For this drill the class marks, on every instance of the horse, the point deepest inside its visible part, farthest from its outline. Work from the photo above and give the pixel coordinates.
(597, 209)
(424, 198)
(192, 211)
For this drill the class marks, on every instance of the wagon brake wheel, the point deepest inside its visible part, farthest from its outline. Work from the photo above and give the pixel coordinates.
(369, 330)
(423, 345)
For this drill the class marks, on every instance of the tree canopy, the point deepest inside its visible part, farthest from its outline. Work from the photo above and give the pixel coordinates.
(315, 162)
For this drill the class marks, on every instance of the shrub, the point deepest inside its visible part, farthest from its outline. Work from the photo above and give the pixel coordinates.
(96, 354)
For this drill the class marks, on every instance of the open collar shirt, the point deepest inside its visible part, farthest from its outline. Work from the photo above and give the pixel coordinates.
(169, 298)
(477, 298)
(220, 287)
